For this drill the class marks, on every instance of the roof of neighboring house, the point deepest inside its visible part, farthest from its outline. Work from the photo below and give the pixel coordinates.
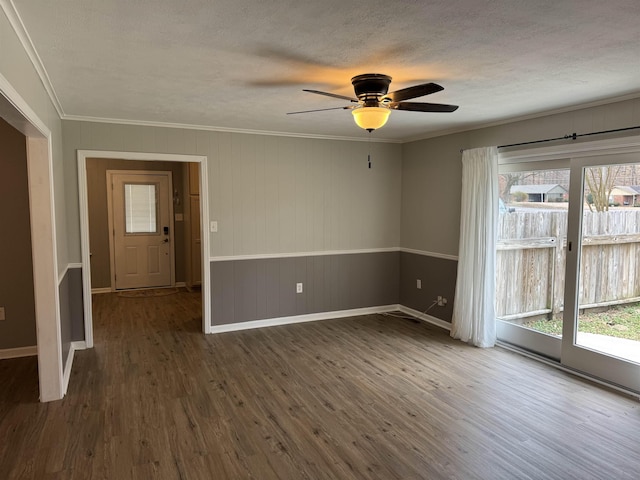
(626, 190)
(548, 188)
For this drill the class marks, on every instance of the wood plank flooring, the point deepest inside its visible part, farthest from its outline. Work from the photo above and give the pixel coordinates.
(369, 397)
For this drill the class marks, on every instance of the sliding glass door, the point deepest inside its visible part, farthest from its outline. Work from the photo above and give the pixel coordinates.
(568, 262)
(530, 256)
(601, 331)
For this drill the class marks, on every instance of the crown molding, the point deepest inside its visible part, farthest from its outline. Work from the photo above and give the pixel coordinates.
(18, 27)
(547, 113)
(440, 133)
(187, 126)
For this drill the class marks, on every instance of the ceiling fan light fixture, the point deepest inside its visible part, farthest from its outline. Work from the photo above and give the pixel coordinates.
(370, 118)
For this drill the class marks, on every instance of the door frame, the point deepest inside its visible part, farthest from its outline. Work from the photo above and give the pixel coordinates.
(600, 364)
(201, 160)
(575, 156)
(112, 251)
(46, 276)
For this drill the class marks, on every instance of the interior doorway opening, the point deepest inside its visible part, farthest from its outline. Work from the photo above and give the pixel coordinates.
(18, 342)
(17, 113)
(95, 280)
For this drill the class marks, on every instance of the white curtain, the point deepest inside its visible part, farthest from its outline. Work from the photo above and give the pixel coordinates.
(474, 319)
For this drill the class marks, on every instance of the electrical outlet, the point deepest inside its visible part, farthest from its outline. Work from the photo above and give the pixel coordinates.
(2, 317)
(441, 301)
(298, 288)
(214, 226)
(419, 284)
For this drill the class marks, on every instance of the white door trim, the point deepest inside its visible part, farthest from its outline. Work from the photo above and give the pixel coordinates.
(15, 110)
(110, 219)
(83, 155)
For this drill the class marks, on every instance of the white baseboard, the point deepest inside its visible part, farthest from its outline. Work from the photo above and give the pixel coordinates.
(313, 317)
(18, 352)
(79, 345)
(101, 290)
(425, 318)
(67, 370)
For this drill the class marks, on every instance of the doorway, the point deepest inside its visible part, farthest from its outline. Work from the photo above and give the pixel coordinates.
(568, 271)
(201, 161)
(15, 110)
(142, 247)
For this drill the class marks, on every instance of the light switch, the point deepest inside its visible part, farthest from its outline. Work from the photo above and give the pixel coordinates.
(179, 217)
(214, 226)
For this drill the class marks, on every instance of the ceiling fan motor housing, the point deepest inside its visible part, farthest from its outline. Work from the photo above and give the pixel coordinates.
(370, 87)
(374, 102)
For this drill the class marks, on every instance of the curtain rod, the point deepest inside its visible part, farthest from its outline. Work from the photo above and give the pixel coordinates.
(572, 136)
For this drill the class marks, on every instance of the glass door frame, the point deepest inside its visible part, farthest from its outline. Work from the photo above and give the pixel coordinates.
(599, 364)
(540, 343)
(577, 156)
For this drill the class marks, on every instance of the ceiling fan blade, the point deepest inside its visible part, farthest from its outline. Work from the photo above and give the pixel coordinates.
(423, 107)
(334, 95)
(413, 92)
(321, 110)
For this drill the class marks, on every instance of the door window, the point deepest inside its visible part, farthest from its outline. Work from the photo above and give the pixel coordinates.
(141, 208)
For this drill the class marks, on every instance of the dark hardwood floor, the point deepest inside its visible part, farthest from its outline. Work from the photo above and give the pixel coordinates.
(369, 397)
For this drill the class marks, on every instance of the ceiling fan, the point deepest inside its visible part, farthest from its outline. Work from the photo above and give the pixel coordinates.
(374, 102)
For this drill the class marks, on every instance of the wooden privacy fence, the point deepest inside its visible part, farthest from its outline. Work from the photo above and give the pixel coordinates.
(531, 254)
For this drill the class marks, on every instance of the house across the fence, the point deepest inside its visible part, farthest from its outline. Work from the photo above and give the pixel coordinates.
(626, 195)
(542, 193)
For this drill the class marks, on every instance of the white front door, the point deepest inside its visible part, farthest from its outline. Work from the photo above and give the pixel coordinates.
(141, 232)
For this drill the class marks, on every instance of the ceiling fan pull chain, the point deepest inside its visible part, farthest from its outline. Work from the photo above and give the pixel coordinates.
(369, 154)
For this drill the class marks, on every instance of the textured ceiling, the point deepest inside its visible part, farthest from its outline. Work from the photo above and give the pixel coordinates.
(243, 64)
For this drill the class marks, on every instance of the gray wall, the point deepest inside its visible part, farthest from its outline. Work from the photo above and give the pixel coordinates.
(432, 169)
(16, 281)
(98, 214)
(438, 277)
(277, 195)
(269, 194)
(245, 290)
(432, 176)
(17, 68)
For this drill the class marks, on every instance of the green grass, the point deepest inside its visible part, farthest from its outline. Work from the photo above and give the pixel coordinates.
(622, 321)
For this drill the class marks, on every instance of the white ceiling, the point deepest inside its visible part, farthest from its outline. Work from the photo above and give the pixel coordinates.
(242, 64)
